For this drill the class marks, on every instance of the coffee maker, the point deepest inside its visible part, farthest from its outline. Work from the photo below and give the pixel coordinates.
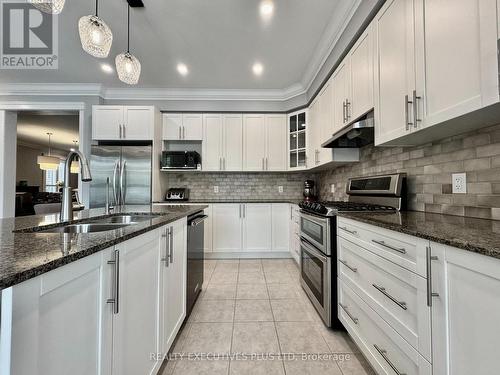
(309, 191)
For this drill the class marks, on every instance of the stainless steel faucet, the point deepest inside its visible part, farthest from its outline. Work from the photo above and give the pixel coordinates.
(67, 196)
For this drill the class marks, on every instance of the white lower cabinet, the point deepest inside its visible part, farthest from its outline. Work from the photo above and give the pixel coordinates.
(173, 273)
(59, 323)
(135, 323)
(246, 228)
(104, 314)
(465, 311)
(443, 321)
(294, 228)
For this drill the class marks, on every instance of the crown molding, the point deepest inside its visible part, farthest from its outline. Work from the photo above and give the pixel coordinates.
(334, 30)
(51, 89)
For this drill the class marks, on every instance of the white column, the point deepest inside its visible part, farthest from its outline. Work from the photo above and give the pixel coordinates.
(8, 149)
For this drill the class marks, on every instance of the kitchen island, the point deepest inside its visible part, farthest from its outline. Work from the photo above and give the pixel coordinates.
(112, 301)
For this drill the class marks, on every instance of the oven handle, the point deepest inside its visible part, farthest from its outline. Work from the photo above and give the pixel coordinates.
(309, 247)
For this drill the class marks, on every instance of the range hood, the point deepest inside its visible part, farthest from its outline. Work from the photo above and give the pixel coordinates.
(355, 135)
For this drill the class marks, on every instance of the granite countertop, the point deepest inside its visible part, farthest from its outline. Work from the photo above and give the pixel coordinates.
(24, 255)
(477, 235)
(229, 200)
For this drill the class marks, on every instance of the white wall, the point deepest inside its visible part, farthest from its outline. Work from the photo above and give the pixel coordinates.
(8, 130)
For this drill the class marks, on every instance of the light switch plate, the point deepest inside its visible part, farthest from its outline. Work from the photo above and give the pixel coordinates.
(216, 189)
(332, 188)
(280, 189)
(459, 183)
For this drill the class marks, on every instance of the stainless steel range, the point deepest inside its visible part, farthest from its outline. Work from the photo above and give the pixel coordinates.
(318, 245)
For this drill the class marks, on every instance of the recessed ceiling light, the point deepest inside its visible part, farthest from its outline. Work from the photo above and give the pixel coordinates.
(257, 69)
(266, 9)
(182, 69)
(107, 68)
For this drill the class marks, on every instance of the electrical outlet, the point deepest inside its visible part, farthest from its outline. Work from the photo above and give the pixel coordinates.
(332, 188)
(459, 183)
(280, 189)
(216, 189)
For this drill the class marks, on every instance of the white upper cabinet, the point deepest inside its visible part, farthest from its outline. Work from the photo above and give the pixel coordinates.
(297, 140)
(192, 127)
(457, 60)
(233, 142)
(361, 61)
(111, 122)
(182, 126)
(465, 311)
(314, 135)
(395, 55)
(264, 142)
(212, 147)
(436, 61)
(340, 96)
(275, 143)
(222, 142)
(325, 122)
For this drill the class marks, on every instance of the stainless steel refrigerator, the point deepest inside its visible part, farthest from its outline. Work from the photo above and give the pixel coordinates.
(128, 168)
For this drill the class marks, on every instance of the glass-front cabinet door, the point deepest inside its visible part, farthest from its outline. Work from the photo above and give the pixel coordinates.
(297, 140)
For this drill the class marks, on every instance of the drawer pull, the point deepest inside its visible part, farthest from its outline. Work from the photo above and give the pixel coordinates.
(382, 243)
(429, 259)
(353, 269)
(383, 353)
(382, 290)
(344, 307)
(348, 231)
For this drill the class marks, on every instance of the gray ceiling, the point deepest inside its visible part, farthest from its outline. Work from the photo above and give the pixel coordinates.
(218, 40)
(32, 129)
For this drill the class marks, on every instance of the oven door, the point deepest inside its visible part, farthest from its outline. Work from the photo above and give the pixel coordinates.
(316, 279)
(316, 230)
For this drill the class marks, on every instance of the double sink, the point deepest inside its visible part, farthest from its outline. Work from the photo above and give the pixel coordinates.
(100, 224)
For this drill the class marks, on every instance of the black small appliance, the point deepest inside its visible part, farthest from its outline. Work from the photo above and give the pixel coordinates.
(177, 194)
(180, 160)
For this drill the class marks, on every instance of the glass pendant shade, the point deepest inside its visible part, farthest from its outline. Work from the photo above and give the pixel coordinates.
(128, 68)
(49, 6)
(96, 37)
(47, 163)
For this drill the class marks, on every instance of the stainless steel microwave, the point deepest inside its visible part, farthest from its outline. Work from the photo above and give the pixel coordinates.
(180, 160)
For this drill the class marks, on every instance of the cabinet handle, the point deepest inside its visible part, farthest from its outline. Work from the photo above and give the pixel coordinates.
(263, 168)
(407, 117)
(398, 249)
(124, 128)
(348, 231)
(345, 308)
(416, 120)
(429, 259)
(347, 110)
(220, 164)
(171, 246)
(120, 131)
(115, 300)
(291, 213)
(180, 133)
(343, 112)
(267, 164)
(165, 259)
(383, 353)
(353, 269)
(244, 211)
(240, 211)
(223, 164)
(382, 290)
(183, 132)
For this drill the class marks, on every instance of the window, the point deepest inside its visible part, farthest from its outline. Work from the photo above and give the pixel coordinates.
(52, 177)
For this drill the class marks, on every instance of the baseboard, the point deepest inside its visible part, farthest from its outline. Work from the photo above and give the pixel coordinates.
(248, 255)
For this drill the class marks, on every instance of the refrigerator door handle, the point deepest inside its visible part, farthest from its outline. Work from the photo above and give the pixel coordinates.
(123, 182)
(115, 190)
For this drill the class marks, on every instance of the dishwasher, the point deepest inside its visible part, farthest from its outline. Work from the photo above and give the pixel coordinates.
(195, 258)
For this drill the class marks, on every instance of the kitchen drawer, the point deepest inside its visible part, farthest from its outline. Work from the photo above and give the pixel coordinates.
(396, 294)
(407, 251)
(384, 348)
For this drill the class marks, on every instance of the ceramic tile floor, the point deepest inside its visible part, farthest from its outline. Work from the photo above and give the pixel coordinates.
(257, 306)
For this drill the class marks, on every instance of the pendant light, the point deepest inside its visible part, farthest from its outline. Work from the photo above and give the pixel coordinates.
(75, 164)
(128, 66)
(96, 37)
(48, 6)
(48, 163)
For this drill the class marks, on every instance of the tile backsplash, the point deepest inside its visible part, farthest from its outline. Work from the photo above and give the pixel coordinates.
(429, 168)
(236, 185)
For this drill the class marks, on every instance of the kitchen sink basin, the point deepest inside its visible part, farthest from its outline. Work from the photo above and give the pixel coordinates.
(124, 219)
(84, 228)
